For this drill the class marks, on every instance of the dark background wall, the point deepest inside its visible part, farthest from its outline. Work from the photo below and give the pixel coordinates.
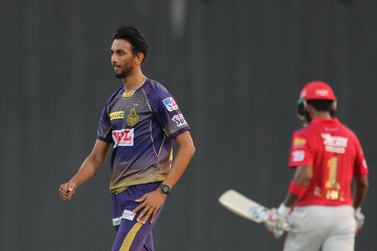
(236, 69)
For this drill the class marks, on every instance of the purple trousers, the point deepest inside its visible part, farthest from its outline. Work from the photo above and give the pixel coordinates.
(130, 234)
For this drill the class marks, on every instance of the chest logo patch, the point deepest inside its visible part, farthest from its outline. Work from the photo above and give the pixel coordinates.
(116, 115)
(124, 137)
(132, 118)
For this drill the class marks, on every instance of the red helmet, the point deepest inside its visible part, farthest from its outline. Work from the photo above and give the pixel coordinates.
(317, 90)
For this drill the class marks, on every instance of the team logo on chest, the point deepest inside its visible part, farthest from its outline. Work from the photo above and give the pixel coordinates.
(124, 137)
(132, 118)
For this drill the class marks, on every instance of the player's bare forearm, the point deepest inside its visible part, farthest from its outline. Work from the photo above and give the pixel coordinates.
(151, 202)
(361, 189)
(92, 163)
(290, 199)
(184, 154)
(302, 178)
(87, 170)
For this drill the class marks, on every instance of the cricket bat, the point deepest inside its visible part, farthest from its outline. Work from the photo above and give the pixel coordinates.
(243, 206)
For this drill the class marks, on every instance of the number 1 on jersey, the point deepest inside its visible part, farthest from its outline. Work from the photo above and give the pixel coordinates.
(332, 165)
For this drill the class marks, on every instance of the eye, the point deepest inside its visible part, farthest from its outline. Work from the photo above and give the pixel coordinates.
(121, 52)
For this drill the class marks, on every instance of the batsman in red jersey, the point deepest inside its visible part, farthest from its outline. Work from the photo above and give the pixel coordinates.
(327, 157)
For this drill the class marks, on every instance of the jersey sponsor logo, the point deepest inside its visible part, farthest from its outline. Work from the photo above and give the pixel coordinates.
(124, 137)
(298, 155)
(297, 142)
(170, 104)
(132, 118)
(179, 120)
(117, 115)
(334, 144)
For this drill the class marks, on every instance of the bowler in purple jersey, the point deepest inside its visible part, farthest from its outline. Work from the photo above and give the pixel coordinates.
(139, 122)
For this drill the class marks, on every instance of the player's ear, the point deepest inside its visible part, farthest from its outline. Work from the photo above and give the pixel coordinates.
(309, 108)
(334, 105)
(139, 58)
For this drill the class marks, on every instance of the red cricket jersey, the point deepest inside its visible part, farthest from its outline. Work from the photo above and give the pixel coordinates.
(335, 154)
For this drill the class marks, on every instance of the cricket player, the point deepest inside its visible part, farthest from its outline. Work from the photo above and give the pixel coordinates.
(139, 122)
(327, 157)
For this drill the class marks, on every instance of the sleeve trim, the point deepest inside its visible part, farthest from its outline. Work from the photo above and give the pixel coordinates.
(104, 139)
(180, 131)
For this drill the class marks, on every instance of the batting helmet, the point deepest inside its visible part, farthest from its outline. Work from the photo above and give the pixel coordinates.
(315, 90)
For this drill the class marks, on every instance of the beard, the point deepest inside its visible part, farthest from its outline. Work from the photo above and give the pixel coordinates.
(125, 73)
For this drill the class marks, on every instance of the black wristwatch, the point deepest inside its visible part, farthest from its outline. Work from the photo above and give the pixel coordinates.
(165, 189)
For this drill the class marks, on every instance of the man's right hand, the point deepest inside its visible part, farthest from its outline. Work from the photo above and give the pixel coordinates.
(67, 190)
(276, 222)
(360, 219)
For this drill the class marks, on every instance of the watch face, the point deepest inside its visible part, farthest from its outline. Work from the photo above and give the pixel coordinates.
(165, 189)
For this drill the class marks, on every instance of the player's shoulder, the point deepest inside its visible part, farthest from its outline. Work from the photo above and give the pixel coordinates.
(302, 131)
(155, 91)
(114, 96)
(154, 87)
(303, 135)
(348, 131)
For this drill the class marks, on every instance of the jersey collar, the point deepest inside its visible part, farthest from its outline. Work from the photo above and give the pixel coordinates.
(325, 121)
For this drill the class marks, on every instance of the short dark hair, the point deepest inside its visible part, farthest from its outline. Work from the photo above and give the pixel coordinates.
(134, 37)
(322, 105)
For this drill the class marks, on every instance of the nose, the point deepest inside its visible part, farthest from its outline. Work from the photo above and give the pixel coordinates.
(114, 59)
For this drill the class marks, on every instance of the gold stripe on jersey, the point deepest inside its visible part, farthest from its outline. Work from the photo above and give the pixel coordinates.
(128, 94)
(126, 245)
(122, 185)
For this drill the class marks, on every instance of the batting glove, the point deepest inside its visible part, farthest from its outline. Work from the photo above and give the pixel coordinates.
(276, 222)
(360, 219)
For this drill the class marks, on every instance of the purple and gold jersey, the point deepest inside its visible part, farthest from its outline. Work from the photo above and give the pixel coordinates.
(141, 128)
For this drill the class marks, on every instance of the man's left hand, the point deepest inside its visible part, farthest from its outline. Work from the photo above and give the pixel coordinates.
(150, 203)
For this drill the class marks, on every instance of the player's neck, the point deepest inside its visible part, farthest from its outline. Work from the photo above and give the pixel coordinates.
(134, 81)
(320, 115)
